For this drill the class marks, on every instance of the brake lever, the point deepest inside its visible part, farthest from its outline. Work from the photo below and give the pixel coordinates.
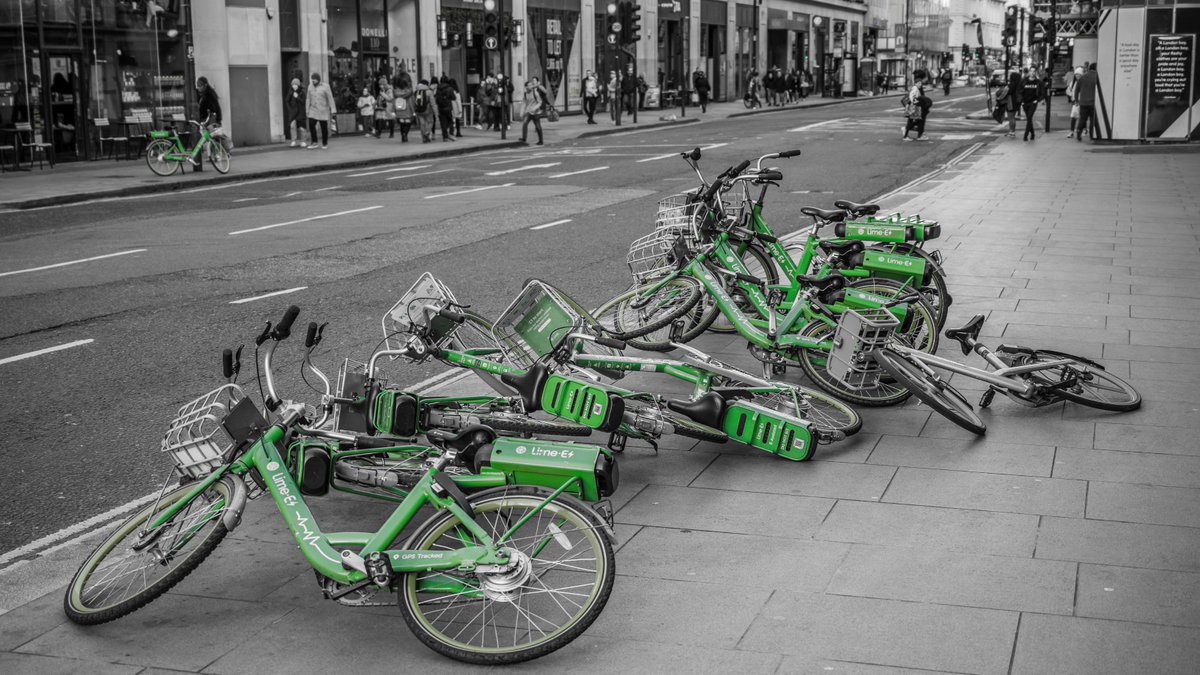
(264, 336)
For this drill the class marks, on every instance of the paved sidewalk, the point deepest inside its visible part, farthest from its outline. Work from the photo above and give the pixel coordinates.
(78, 181)
(1065, 541)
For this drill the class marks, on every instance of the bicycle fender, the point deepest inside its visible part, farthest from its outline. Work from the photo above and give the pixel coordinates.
(1070, 356)
(237, 502)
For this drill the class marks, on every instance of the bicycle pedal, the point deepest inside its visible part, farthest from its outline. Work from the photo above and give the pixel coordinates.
(378, 569)
(986, 399)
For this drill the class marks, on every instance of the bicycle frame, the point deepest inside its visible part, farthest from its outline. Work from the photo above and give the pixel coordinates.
(318, 547)
(181, 154)
(1002, 378)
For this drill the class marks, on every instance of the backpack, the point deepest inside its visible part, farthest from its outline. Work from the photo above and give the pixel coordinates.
(421, 100)
(401, 103)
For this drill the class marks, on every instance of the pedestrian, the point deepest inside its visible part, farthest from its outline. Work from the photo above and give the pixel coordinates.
(780, 85)
(458, 108)
(752, 99)
(700, 84)
(1032, 91)
(790, 86)
(1011, 95)
(642, 88)
(423, 109)
(534, 103)
(208, 112)
(1085, 93)
(628, 93)
(768, 84)
(319, 109)
(917, 107)
(947, 76)
(444, 99)
(1071, 84)
(613, 96)
(589, 91)
(496, 104)
(385, 108)
(293, 114)
(366, 111)
(483, 97)
(404, 105)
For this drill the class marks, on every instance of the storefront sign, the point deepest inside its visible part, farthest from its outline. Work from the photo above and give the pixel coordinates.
(1169, 85)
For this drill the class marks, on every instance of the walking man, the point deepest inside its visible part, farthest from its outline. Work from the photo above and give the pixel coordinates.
(293, 112)
(535, 101)
(700, 84)
(591, 91)
(1085, 94)
(1032, 91)
(319, 108)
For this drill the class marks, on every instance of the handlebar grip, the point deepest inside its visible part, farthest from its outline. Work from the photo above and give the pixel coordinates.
(789, 153)
(750, 279)
(283, 329)
(227, 363)
(456, 317)
(711, 191)
(611, 342)
(766, 238)
(770, 175)
(368, 442)
(436, 435)
(740, 167)
(311, 338)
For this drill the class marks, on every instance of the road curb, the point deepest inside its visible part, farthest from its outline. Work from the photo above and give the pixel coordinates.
(640, 127)
(810, 106)
(300, 169)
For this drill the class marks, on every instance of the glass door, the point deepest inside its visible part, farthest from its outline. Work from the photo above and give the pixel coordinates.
(65, 123)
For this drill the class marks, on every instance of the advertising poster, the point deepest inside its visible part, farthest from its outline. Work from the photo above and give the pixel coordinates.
(1169, 86)
(1125, 98)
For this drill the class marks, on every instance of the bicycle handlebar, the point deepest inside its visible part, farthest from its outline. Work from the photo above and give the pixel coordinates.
(283, 329)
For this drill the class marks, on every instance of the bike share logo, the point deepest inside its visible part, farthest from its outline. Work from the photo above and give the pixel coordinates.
(544, 452)
(874, 231)
(899, 261)
(281, 487)
(273, 466)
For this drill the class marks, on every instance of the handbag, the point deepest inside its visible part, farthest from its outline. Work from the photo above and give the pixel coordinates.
(551, 114)
(1075, 111)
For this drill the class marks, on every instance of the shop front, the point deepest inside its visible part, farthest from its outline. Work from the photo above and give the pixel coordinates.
(745, 46)
(357, 33)
(553, 49)
(465, 59)
(673, 44)
(74, 70)
(713, 21)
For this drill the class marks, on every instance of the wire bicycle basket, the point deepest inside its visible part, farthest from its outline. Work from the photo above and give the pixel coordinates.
(207, 428)
(535, 321)
(859, 332)
(410, 315)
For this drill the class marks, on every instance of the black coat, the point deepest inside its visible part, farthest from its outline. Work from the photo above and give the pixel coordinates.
(210, 105)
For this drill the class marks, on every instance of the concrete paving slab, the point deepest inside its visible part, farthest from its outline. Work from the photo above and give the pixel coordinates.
(885, 632)
(716, 557)
(798, 664)
(946, 578)
(1146, 596)
(1128, 467)
(260, 570)
(1058, 337)
(1134, 503)
(1173, 372)
(1016, 427)
(1160, 547)
(726, 511)
(593, 655)
(32, 619)
(924, 527)
(188, 633)
(1070, 646)
(857, 448)
(1056, 319)
(1115, 435)
(988, 492)
(835, 480)
(29, 664)
(681, 613)
(1162, 413)
(986, 455)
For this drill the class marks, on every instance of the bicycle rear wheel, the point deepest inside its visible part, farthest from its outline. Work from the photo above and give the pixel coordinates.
(638, 312)
(1094, 387)
(126, 572)
(156, 159)
(813, 362)
(218, 156)
(563, 573)
(932, 391)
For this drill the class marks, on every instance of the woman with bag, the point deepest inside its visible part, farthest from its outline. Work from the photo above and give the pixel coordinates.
(535, 102)
(385, 108)
(1078, 73)
(457, 109)
(917, 107)
(403, 105)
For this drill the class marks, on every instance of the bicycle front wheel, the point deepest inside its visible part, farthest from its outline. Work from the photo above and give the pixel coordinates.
(638, 312)
(1094, 387)
(127, 570)
(563, 568)
(814, 364)
(218, 156)
(156, 157)
(940, 396)
(758, 264)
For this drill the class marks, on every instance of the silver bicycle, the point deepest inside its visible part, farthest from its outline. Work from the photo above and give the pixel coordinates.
(1031, 377)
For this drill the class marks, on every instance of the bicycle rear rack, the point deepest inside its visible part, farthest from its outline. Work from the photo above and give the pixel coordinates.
(859, 332)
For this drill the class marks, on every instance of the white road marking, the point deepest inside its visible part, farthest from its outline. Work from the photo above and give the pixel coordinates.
(576, 173)
(414, 175)
(676, 154)
(392, 170)
(267, 295)
(523, 168)
(814, 125)
(463, 192)
(957, 137)
(246, 199)
(292, 194)
(48, 350)
(306, 220)
(72, 262)
(331, 187)
(557, 222)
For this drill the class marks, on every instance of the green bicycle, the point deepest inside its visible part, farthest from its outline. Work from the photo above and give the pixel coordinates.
(165, 152)
(497, 577)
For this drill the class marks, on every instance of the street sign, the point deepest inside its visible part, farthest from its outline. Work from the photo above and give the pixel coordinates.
(491, 43)
(616, 26)
(612, 38)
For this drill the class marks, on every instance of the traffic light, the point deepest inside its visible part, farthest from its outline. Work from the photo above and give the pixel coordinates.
(979, 54)
(1038, 30)
(623, 21)
(1010, 27)
(614, 22)
(491, 25)
(633, 30)
(966, 53)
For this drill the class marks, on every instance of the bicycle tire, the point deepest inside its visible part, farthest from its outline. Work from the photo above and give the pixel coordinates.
(936, 293)
(938, 395)
(812, 362)
(920, 329)
(671, 301)
(218, 156)
(826, 413)
(78, 608)
(683, 425)
(520, 423)
(763, 267)
(496, 510)
(156, 152)
(1130, 398)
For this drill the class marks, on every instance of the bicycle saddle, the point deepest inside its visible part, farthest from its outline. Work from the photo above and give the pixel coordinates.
(827, 215)
(823, 285)
(970, 331)
(841, 248)
(705, 410)
(529, 385)
(857, 209)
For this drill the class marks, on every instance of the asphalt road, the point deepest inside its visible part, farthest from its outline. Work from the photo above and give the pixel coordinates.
(82, 426)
